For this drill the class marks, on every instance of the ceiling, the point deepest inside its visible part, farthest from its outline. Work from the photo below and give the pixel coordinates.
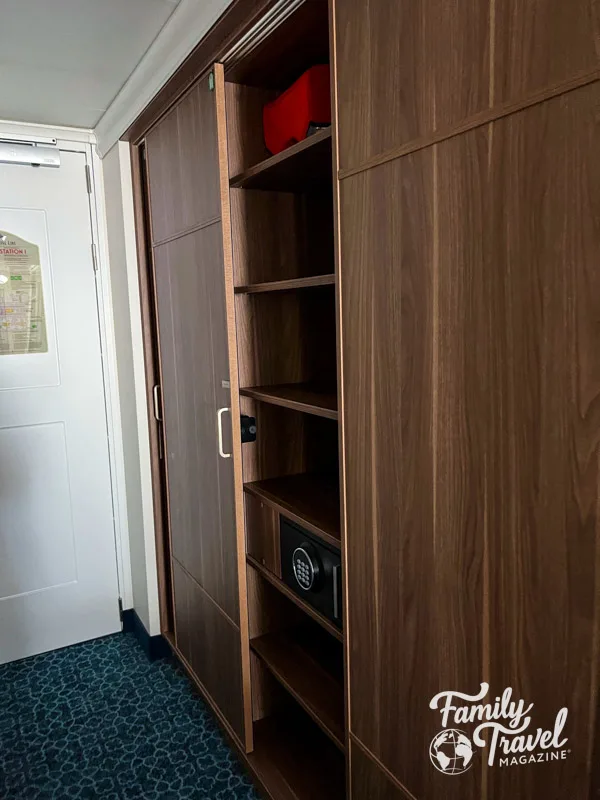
(63, 61)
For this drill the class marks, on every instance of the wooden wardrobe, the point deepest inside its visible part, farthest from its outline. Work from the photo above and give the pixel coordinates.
(407, 304)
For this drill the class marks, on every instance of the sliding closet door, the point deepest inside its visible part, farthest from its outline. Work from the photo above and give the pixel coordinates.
(470, 312)
(188, 254)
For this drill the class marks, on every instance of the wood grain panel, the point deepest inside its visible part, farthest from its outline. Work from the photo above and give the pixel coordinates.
(212, 647)
(245, 136)
(287, 338)
(181, 608)
(194, 362)
(270, 611)
(280, 447)
(414, 574)
(544, 396)
(266, 229)
(369, 781)
(470, 314)
(183, 166)
(280, 235)
(540, 43)
(407, 69)
(262, 533)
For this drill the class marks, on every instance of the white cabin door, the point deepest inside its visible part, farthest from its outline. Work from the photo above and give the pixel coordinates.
(58, 574)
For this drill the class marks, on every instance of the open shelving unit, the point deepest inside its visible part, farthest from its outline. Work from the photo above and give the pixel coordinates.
(293, 762)
(282, 230)
(297, 664)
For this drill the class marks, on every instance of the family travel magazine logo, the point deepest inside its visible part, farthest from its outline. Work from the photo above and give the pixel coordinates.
(503, 726)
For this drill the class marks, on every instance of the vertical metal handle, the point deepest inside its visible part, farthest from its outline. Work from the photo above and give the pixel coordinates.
(157, 414)
(220, 413)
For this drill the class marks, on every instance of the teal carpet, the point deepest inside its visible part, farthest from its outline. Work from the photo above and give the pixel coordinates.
(98, 720)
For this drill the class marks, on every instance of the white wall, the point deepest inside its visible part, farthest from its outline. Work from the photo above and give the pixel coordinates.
(122, 256)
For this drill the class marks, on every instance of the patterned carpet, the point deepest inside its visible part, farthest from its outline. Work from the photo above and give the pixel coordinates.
(98, 720)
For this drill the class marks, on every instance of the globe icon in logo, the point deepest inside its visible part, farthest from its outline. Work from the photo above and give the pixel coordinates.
(451, 752)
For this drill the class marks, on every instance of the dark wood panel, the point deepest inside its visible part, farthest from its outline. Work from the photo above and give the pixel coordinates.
(210, 643)
(405, 70)
(183, 166)
(262, 533)
(544, 404)
(367, 780)
(281, 235)
(267, 230)
(472, 529)
(194, 362)
(181, 604)
(540, 43)
(280, 448)
(287, 338)
(414, 575)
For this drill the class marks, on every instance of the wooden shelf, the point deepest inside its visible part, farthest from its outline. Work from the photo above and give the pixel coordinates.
(311, 500)
(287, 285)
(307, 397)
(294, 761)
(302, 166)
(298, 601)
(297, 668)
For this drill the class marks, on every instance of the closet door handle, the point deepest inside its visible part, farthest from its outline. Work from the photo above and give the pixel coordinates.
(220, 413)
(157, 414)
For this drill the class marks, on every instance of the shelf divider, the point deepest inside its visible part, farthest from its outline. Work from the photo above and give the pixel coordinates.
(286, 285)
(302, 166)
(311, 398)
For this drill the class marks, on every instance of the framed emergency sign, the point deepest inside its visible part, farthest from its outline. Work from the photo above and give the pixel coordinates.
(22, 313)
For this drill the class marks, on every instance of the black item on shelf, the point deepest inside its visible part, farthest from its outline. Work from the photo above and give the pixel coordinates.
(248, 428)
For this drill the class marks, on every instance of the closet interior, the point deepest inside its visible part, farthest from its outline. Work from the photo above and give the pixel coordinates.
(282, 232)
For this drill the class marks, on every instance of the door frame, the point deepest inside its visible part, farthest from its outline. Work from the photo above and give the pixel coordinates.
(83, 141)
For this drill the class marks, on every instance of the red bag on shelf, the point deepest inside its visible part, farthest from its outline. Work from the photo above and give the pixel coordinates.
(307, 102)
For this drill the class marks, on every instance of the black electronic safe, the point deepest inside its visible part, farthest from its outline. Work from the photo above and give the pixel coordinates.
(312, 570)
